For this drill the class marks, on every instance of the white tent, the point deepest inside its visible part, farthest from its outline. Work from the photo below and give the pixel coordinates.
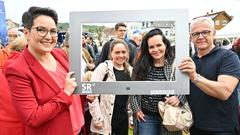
(231, 30)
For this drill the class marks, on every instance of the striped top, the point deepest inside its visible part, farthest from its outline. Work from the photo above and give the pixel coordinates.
(150, 102)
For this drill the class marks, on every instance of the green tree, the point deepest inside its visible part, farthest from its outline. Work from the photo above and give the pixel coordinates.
(94, 29)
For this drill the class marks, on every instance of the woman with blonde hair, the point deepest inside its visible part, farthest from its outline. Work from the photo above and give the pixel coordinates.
(109, 112)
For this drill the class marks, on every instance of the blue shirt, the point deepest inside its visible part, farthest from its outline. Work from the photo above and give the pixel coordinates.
(209, 113)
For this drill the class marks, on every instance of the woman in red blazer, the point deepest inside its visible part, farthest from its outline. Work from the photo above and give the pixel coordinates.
(40, 83)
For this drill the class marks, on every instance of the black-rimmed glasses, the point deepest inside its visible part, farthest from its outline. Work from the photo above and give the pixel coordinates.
(204, 33)
(42, 31)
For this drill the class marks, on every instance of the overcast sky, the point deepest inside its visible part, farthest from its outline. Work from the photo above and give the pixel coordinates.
(15, 8)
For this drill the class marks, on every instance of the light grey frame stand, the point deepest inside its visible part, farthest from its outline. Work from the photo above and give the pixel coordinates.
(179, 86)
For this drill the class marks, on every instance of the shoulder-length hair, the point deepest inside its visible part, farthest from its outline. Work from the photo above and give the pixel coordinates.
(145, 61)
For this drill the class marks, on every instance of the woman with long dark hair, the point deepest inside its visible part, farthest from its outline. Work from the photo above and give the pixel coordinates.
(153, 64)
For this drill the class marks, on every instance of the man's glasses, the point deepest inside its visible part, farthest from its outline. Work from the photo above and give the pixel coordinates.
(42, 31)
(203, 33)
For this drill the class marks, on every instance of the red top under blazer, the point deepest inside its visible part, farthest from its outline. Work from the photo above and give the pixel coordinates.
(40, 102)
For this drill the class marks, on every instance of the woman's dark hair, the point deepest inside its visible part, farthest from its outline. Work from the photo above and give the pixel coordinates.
(145, 61)
(33, 12)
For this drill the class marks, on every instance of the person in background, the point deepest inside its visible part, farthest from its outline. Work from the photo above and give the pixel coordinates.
(136, 38)
(86, 60)
(12, 34)
(16, 49)
(5, 52)
(109, 112)
(65, 45)
(120, 33)
(87, 116)
(89, 61)
(236, 47)
(154, 64)
(214, 73)
(10, 122)
(91, 42)
(86, 69)
(88, 47)
(87, 64)
(18, 44)
(40, 83)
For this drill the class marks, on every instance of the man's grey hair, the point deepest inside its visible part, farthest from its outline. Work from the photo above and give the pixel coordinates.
(202, 19)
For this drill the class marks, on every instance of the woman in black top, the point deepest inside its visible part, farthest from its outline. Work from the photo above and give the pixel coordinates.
(109, 112)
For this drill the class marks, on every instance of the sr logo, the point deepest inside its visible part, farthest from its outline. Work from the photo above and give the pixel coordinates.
(87, 87)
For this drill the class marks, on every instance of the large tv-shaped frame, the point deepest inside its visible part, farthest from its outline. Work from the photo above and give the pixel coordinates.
(180, 19)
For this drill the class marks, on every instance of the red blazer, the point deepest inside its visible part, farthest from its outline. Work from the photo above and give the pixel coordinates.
(10, 123)
(40, 102)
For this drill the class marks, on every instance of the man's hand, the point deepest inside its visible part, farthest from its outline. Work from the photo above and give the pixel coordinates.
(188, 66)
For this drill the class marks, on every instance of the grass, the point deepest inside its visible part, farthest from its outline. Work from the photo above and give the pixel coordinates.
(130, 132)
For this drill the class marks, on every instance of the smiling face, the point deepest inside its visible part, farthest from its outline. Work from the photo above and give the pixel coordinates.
(202, 36)
(119, 54)
(39, 43)
(156, 48)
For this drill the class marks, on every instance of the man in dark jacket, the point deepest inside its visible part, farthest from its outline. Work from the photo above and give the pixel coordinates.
(120, 32)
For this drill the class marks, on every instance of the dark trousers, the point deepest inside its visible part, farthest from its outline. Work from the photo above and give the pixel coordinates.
(86, 127)
(238, 130)
(120, 125)
(196, 131)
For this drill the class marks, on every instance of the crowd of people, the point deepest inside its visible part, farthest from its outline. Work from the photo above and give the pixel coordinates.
(36, 87)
